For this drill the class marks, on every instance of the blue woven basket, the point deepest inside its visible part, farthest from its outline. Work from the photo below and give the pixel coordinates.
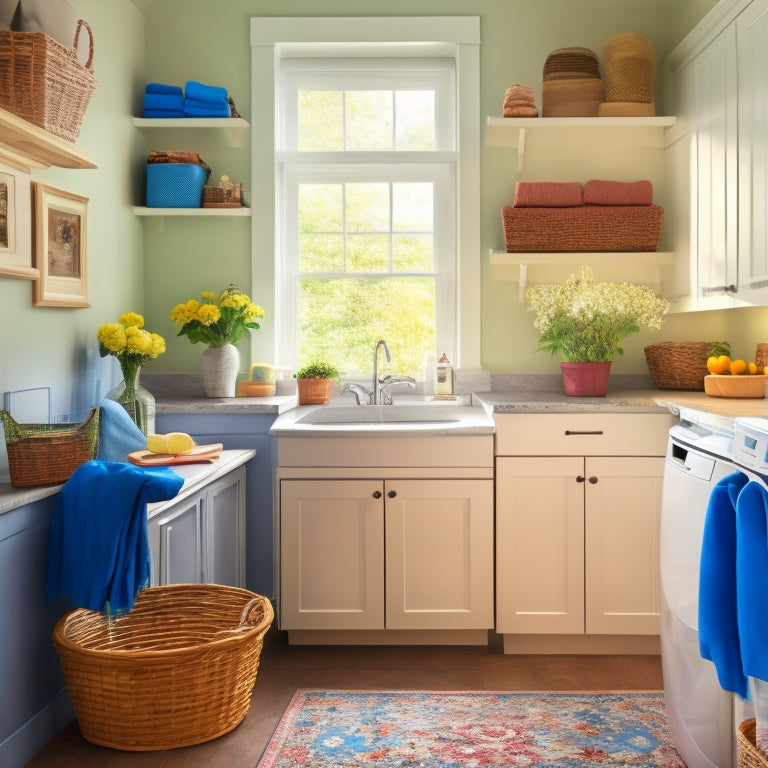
(174, 185)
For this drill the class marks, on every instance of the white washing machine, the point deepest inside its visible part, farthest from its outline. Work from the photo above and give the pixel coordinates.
(700, 713)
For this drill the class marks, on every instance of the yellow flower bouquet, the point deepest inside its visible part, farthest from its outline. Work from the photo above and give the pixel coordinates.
(217, 320)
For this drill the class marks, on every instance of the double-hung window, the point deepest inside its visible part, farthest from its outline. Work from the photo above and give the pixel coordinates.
(366, 199)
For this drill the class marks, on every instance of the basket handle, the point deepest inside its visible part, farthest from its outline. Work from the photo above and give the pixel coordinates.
(249, 606)
(83, 23)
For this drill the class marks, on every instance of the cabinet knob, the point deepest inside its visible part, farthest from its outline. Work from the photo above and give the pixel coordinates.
(377, 494)
(580, 478)
(593, 479)
(391, 494)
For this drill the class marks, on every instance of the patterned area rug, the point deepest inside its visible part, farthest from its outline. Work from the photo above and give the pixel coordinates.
(458, 729)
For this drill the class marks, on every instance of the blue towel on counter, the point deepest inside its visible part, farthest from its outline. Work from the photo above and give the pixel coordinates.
(718, 617)
(173, 90)
(201, 92)
(752, 578)
(98, 551)
(164, 101)
(118, 434)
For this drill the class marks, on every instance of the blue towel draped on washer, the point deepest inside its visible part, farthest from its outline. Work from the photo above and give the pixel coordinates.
(752, 578)
(718, 618)
(98, 551)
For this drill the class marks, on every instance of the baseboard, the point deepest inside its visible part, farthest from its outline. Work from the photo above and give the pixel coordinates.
(582, 644)
(24, 743)
(387, 637)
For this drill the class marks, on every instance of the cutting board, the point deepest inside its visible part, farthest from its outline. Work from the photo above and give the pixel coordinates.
(200, 454)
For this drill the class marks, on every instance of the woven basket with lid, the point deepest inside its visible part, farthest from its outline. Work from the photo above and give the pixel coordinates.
(629, 62)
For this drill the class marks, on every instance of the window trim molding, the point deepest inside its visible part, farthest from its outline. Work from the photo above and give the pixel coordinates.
(267, 35)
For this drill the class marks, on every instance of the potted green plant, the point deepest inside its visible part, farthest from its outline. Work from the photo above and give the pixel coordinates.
(585, 322)
(315, 380)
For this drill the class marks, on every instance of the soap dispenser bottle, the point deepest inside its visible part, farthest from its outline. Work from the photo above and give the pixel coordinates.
(444, 378)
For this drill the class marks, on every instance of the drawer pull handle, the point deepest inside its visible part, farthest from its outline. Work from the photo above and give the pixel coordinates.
(583, 431)
(580, 478)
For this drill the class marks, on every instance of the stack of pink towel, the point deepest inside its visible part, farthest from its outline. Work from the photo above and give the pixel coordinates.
(600, 216)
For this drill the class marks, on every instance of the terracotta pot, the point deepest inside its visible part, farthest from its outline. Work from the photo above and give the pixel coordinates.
(585, 379)
(314, 391)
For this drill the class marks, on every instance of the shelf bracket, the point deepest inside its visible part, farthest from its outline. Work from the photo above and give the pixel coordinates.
(520, 149)
(522, 280)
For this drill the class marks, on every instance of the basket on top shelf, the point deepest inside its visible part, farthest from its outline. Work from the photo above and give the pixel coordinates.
(177, 670)
(679, 364)
(43, 454)
(43, 82)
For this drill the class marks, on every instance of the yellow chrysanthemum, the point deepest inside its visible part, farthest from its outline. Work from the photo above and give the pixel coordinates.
(208, 314)
(112, 337)
(131, 320)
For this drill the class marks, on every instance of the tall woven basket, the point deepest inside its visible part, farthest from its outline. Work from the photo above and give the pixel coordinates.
(44, 82)
(179, 669)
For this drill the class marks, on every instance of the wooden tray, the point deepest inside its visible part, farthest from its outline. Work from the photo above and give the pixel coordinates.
(200, 454)
(745, 386)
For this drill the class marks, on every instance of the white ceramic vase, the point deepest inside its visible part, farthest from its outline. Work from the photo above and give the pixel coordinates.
(220, 366)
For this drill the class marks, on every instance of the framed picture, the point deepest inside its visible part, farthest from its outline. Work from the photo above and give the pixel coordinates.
(15, 224)
(61, 234)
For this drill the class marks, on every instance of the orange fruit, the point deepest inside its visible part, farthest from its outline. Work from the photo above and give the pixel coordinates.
(737, 367)
(712, 364)
(752, 367)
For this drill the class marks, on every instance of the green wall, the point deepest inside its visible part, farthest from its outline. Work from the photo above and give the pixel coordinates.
(200, 40)
(56, 347)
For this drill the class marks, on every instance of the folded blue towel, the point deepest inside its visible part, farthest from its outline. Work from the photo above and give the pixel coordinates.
(718, 618)
(207, 111)
(197, 104)
(202, 92)
(98, 551)
(118, 434)
(174, 90)
(163, 113)
(752, 578)
(163, 101)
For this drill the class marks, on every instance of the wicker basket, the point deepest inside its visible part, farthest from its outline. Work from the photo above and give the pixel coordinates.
(679, 364)
(583, 228)
(42, 454)
(43, 82)
(748, 755)
(179, 669)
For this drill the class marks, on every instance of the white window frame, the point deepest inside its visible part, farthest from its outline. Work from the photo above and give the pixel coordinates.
(457, 36)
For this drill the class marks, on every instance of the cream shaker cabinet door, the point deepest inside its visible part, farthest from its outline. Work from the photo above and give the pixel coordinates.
(439, 554)
(540, 545)
(331, 554)
(623, 502)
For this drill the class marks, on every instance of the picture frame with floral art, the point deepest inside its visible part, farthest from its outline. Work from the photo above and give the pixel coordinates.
(15, 224)
(59, 246)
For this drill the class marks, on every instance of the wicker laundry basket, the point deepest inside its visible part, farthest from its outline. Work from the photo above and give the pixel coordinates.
(747, 752)
(179, 669)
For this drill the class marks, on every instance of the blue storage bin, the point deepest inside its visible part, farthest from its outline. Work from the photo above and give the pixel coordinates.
(174, 185)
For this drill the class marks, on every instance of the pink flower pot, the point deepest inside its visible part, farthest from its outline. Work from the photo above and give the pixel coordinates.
(585, 379)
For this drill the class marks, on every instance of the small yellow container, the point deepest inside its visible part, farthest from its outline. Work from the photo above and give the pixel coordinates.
(260, 383)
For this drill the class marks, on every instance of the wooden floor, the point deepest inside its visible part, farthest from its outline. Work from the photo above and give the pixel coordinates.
(285, 668)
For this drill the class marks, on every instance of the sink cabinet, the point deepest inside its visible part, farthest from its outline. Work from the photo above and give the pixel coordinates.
(386, 538)
(393, 554)
(577, 519)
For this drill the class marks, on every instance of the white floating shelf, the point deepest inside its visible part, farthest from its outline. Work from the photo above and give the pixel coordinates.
(234, 128)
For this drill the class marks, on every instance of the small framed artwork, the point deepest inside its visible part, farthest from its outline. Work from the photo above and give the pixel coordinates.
(60, 238)
(15, 224)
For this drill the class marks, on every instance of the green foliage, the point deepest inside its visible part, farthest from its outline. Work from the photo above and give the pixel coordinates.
(720, 348)
(317, 369)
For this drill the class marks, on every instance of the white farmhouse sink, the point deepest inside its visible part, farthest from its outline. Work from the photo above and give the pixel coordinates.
(377, 414)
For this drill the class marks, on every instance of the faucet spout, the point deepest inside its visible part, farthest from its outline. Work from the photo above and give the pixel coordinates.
(376, 392)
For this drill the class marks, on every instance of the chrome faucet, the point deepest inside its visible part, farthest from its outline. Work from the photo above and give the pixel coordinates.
(390, 380)
(376, 394)
(359, 391)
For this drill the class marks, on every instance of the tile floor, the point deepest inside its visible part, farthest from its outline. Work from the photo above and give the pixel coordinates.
(285, 668)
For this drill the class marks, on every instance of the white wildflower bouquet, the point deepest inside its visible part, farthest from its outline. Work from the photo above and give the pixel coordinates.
(585, 321)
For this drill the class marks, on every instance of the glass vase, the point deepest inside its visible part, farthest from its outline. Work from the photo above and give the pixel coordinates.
(139, 403)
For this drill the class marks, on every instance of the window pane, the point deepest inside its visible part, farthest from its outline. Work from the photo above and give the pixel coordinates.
(321, 115)
(368, 253)
(368, 120)
(415, 120)
(320, 208)
(412, 207)
(412, 253)
(367, 207)
(342, 319)
(321, 253)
